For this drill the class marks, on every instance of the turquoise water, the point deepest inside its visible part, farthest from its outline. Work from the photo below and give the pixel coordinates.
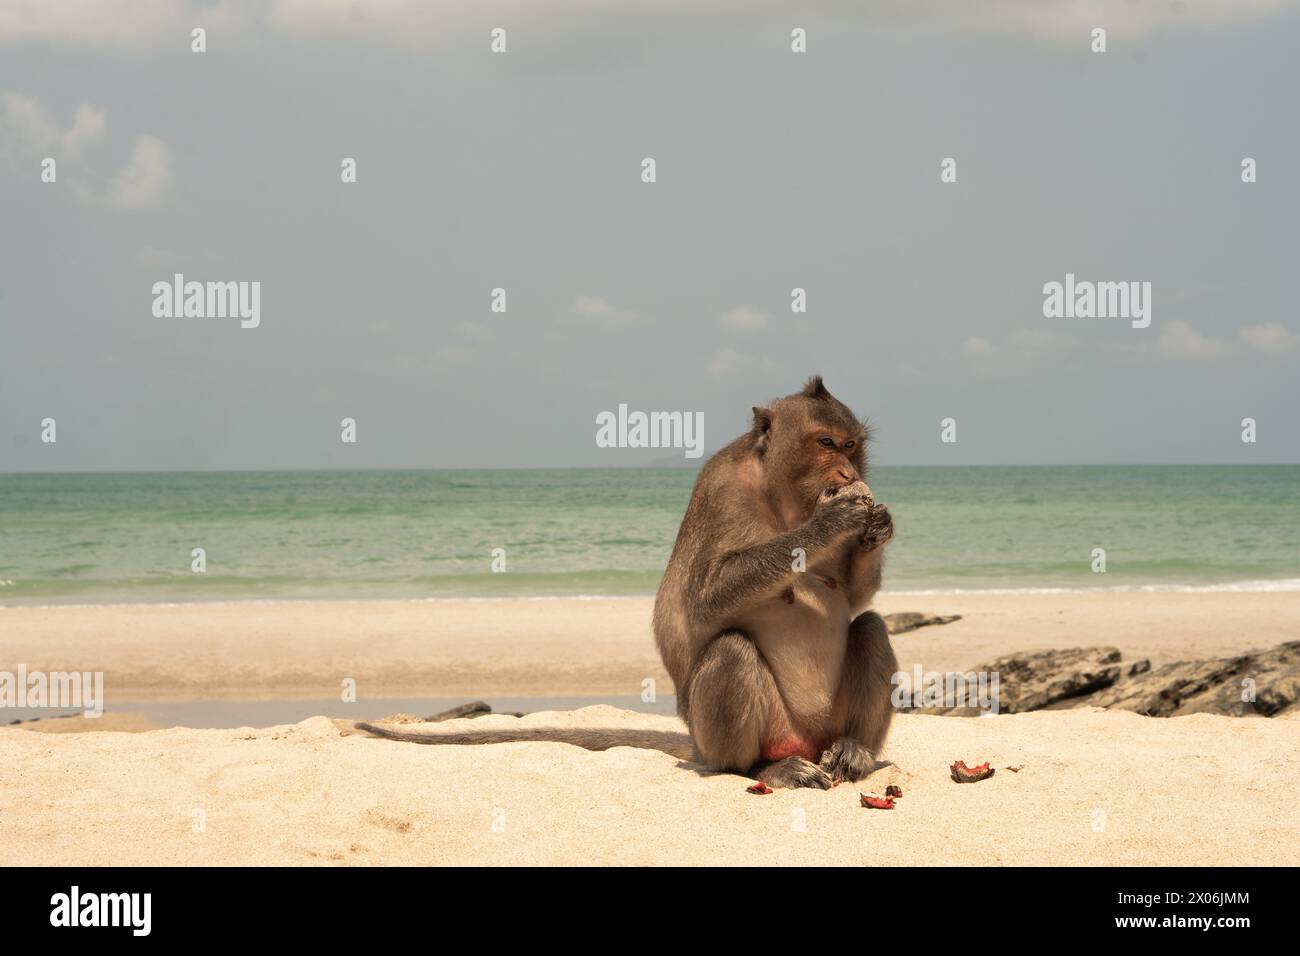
(128, 537)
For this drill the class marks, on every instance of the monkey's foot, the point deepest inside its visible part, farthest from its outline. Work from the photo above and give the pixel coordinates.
(793, 772)
(879, 529)
(848, 760)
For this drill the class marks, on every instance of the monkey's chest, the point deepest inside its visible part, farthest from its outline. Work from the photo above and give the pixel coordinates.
(802, 635)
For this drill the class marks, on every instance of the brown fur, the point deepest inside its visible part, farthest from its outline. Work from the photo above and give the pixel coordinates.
(589, 738)
(767, 659)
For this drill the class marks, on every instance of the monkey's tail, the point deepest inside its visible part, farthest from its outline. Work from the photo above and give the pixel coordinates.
(588, 738)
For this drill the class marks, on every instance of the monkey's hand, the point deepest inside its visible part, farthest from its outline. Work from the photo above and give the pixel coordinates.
(879, 529)
(845, 511)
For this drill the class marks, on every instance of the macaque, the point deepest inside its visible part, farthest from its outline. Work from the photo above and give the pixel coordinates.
(781, 672)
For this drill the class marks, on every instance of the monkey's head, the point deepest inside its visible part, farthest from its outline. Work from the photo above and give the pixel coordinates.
(808, 442)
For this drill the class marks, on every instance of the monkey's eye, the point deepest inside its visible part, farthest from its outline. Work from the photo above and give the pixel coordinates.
(849, 444)
(827, 442)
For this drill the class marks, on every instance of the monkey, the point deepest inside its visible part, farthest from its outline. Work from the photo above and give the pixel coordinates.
(761, 618)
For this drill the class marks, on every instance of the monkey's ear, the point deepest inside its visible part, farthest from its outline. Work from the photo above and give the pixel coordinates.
(762, 427)
(815, 388)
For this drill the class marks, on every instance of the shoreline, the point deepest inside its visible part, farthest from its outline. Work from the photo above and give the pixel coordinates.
(1249, 586)
(137, 716)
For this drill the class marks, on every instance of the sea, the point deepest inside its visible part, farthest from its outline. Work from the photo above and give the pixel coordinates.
(85, 538)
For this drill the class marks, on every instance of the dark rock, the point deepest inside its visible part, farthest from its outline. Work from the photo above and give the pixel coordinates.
(1041, 679)
(906, 621)
(1029, 681)
(1258, 683)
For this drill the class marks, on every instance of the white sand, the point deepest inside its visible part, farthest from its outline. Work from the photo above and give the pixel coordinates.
(1097, 788)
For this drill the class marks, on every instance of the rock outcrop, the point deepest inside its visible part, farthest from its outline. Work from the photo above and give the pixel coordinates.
(1263, 683)
(905, 621)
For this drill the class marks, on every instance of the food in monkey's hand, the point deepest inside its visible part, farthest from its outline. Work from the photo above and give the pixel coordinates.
(893, 791)
(964, 774)
(759, 787)
(877, 803)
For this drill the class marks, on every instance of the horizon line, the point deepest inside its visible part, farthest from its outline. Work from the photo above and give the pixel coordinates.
(630, 467)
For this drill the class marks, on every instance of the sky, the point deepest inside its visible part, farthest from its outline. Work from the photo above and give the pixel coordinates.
(523, 171)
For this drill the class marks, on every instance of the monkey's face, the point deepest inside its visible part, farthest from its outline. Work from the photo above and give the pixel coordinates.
(811, 447)
(835, 455)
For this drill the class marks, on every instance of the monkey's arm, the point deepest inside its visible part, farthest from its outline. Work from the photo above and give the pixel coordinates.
(732, 580)
(867, 560)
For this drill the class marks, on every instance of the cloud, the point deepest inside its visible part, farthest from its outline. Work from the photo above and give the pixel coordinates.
(1070, 21)
(454, 355)
(28, 130)
(1039, 340)
(143, 183)
(744, 319)
(1271, 337)
(1024, 348)
(1179, 340)
(471, 333)
(154, 256)
(416, 24)
(597, 311)
(476, 331)
(124, 24)
(728, 361)
(87, 127)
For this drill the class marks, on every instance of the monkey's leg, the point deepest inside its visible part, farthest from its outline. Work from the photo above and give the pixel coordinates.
(863, 700)
(735, 709)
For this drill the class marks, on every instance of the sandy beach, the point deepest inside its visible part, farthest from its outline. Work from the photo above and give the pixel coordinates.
(563, 647)
(1096, 787)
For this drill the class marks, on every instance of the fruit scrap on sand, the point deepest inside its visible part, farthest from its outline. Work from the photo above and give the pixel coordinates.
(964, 774)
(759, 787)
(877, 803)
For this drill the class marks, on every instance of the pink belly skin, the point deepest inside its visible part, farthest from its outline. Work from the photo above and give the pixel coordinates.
(792, 746)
